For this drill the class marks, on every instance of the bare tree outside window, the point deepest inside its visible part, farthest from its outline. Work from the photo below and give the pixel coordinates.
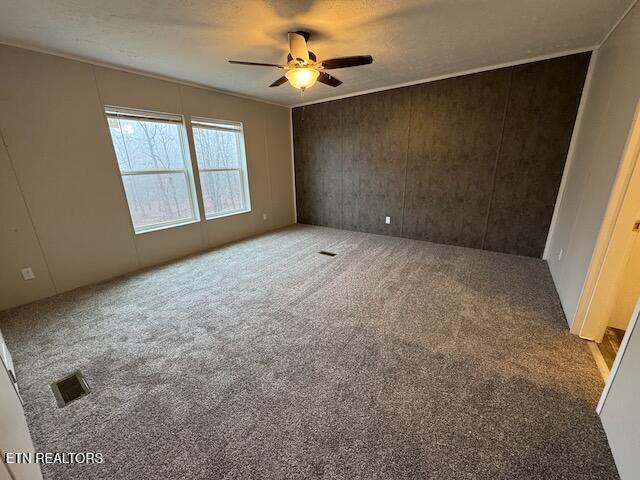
(222, 165)
(155, 168)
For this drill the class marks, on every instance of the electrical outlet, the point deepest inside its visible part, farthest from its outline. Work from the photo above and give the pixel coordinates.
(560, 253)
(387, 220)
(27, 273)
(264, 216)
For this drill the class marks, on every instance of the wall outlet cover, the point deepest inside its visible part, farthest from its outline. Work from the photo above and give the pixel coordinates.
(27, 273)
(387, 220)
(264, 216)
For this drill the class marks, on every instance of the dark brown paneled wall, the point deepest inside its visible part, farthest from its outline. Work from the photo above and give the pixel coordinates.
(474, 160)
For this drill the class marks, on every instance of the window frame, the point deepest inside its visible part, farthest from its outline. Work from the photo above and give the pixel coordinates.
(243, 169)
(112, 111)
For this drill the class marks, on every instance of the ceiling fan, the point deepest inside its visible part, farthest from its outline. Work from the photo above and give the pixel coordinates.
(303, 68)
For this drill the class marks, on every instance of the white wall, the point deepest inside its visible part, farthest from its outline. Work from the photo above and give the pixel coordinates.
(19, 246)
(601, 135)
(62, 205)
(619, 412)
(627, 290)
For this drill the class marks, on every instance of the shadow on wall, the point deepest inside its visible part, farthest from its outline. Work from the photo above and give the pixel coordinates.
(474, 161)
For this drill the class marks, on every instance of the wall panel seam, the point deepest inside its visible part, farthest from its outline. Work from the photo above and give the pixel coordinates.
(293, 168)
(195, 172)
(113, 151)
(460, 165)
(267, 155)
(498, 153)
(406, 162)
(341, 146)
(26, 206)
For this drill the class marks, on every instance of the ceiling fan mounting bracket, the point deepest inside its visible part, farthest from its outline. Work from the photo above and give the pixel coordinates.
(304, 33)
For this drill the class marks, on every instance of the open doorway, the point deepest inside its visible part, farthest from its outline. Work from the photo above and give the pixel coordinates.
(625, 296)
(612, 287)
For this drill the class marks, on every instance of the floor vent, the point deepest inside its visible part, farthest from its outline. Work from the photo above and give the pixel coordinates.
(329, 254)
(70, 388)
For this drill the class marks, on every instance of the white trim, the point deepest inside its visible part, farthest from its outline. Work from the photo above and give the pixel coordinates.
(615, 25)
(151, 172)
(228, 213)
(244, 174)
(166, 225)
(221, 169)
(179, 121)
(268, 102)
(195, 171)
(140, 114)
(571, 153)
(215, 124)
(599, 359)
(616, 362)
(585, 323)
(455, 74)
(143, 73)
(237, 129)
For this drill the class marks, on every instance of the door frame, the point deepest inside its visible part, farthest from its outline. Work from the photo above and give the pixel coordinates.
(614, 243)
(633, 322)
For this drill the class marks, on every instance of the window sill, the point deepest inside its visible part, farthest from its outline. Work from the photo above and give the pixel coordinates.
(166, 227)
(190, 222)
(229, 214)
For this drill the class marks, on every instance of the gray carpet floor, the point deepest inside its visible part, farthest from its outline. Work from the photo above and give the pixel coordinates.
(395, 359)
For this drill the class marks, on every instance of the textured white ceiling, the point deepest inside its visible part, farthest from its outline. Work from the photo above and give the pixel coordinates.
(409, 40)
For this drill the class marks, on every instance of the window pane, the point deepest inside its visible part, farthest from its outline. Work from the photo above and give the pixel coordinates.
(216, 148)
(146, 144)
(221, 191)
(154, 145)
(155, 199)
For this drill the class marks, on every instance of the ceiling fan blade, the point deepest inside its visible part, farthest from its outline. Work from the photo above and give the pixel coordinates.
(257, 64)
(279, 82)
(328, 79)
(344, 62)
(298, 46)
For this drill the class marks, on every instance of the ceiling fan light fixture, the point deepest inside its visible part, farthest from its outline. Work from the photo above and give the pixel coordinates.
(303, 70)
(302, 77)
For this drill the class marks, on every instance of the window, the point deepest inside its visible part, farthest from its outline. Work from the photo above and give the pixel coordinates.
(155, 165)
(222, 165)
